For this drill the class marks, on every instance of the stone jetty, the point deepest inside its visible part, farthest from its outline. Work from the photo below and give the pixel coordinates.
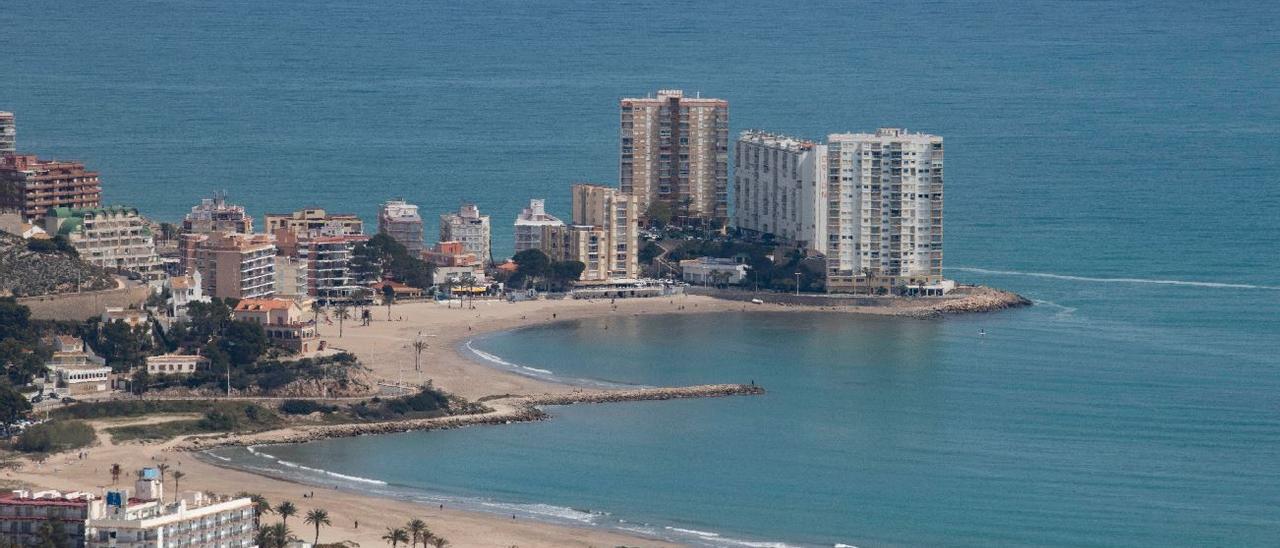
(503, 410)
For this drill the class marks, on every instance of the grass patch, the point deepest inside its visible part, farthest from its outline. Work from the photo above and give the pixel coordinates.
(134, 408)
(54, 436)
(218, 417)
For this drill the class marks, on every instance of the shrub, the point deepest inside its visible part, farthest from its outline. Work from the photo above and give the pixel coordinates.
(304, 407)
(55, 436)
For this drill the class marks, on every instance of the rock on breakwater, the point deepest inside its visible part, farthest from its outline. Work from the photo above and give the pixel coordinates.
(513, 409)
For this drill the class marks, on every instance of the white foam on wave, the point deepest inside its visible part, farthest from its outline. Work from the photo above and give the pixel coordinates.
(716, 539)
(497, 360)
(219, 457)
(1220, 285)
(297, 466)
(543, 511)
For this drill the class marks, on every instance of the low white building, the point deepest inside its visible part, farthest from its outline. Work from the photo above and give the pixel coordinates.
(175, 364)
(528, 227)
(712, 271)
(74, 370)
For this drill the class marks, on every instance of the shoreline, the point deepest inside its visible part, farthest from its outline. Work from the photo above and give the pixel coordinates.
(384, 347)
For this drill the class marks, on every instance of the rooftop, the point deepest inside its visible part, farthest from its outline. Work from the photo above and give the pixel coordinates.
(776, 140)
(886, 134)
(252, 305)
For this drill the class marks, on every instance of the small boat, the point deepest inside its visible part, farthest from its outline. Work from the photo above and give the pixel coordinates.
(757, 301)
(982, 332)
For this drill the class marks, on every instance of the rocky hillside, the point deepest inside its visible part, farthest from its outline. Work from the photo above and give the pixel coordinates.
(24, 272)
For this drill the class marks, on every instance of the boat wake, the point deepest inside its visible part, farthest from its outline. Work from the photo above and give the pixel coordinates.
(1218, 285)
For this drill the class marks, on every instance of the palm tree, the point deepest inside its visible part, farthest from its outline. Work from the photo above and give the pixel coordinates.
(286, 509)
(342, 312)
(177, 478)
(317, 517)
(418, 530)
(162, 467)
(395, 536)
(419, 346)
(316, 308)
(388, 296)
(260, 505)
(439, 542)
(448, 289)
(273, 536)
(116, 470)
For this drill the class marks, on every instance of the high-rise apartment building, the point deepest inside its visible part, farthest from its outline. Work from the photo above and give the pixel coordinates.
(8, 133)
(469, 227)
(604, 235)
(528, 227)
(400, 220)
(210, 215)
(314, 220)
(780, 189)
(240, 266)
(31, 186)
(884, 213)
(675, 149)
(110, 237)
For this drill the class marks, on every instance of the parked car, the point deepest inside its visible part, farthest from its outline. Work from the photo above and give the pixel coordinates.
(68, 399)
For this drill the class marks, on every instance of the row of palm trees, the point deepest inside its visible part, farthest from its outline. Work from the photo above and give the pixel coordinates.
(278, 535)
(412, 533)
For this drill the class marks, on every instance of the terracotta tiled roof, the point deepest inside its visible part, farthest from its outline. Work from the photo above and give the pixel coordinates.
(250, 305)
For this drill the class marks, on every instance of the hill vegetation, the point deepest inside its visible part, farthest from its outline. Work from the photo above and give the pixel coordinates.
(46, 268)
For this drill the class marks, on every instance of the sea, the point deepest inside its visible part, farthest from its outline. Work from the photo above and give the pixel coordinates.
(1115, 162)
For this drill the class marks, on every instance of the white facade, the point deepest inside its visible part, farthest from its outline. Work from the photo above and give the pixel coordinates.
(885, 222)
(401, 221)
(175, 364)
(110, 237)
(194, 520)
(780, 189)
(469, 227)
(184, 290)
(73, 369)
(528, 228)
(711, 271)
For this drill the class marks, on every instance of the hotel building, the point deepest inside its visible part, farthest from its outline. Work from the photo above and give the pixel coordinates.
(240, 266)
(31, 186)
(73, 369)
(604, 235)
(327, 260)
(209, 216)
(112, 237)
(884, 212)
(314, 221)
(528, 227)
(675, 149)
(400, 220)
(22, 512)
(8, 133)
(469, 227)
(780, 189)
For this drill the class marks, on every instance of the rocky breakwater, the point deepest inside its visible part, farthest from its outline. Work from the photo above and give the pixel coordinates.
(646, 394)
(981, 299)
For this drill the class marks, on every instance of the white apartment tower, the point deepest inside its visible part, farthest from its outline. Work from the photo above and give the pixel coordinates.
(469, 227)
(400, 220)
(528, 227)
(675, 149)
(780, 189)
(8, 133)
(884, 214)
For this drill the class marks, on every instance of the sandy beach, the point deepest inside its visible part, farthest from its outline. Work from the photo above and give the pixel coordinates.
(384, 346)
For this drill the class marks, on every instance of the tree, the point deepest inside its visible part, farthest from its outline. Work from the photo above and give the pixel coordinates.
(273, 536)
(419, 346)
(316, 309)
(260, 505)
(13, 406)
(439, 542)
(177, 479)
(659, 214)
(418, 532)
(243, 342)
(566, 273)
(531, 264)
(15, 320)
(395, 536)
(51, 535)
(124, 347)
(341, 312)
(116, 470)
(22, 361)
(286, 510)
(317, 517)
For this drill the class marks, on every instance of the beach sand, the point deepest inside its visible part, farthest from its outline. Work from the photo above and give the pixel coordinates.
(385, 348)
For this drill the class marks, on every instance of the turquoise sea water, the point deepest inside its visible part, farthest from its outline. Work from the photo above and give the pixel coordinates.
(1114, 161)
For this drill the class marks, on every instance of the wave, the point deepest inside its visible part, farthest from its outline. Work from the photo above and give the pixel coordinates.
(253, 450)
(1219, 285)
(541, 374)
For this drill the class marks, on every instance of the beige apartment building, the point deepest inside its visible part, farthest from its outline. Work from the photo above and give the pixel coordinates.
(400, 220)
(469, 227)
(314, 221)
(884, 213)
(110, 237)
(675, 149)
(780, 189)
(240, 266)
(603, 235)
